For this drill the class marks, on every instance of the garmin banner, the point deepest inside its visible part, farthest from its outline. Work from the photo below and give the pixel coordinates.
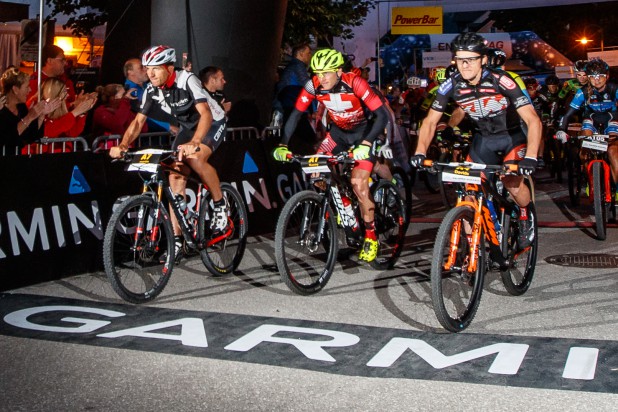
(56, 206)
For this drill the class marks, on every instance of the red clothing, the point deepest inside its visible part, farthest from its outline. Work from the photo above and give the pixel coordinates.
(344, 103)
(108, 121)
(34, 87)
(64, 126)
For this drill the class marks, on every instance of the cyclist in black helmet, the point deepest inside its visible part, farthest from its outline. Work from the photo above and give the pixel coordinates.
(599, 103)
(495, 103)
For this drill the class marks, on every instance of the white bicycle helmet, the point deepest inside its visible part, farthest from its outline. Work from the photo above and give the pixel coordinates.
(158, 55)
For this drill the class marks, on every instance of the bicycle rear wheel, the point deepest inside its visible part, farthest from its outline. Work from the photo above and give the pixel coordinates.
(138, 249)
(403, 183)
(305, 264)
(224, 257)
(391, 222)
(455, 292)
(522, 263)
(600, 209)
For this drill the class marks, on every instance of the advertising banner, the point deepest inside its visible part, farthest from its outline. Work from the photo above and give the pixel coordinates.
(416, 20)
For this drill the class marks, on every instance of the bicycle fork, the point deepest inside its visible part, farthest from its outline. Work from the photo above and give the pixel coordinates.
(142, 220)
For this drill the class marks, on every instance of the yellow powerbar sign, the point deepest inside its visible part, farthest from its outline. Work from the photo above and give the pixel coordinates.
(416, 20)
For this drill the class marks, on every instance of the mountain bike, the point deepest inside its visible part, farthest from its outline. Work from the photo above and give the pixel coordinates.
(138, 246)
(306, 236)
(575, 178)
(483, 220)
(601, 191)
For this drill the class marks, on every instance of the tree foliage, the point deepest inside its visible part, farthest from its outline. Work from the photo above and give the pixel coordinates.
(320, 19)
(324, 19)
(81, 24)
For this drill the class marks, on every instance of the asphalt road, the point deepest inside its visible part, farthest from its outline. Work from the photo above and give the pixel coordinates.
(561, 337)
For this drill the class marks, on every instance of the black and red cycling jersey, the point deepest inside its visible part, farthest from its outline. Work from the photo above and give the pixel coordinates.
(492, 103)
(347, 103)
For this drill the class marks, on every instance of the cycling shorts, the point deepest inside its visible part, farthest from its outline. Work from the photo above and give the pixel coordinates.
(338, 140)
(495, 150)
(214, 137)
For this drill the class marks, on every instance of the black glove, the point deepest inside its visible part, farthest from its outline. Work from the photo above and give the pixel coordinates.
(527, 166)
(416, 161)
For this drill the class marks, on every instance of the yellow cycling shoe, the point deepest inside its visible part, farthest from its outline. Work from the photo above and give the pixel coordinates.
(369, 251)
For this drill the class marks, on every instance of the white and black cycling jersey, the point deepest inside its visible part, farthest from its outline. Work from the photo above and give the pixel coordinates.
(177, 99)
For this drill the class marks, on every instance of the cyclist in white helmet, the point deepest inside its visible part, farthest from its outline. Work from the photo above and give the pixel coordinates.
(177, 97)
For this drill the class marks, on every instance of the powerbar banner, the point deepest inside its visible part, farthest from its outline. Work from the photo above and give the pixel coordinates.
(417, 20)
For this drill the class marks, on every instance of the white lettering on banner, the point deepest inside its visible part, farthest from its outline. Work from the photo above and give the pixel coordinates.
(94, 227)
(37, 224)
(20, 319)
(508, 359)
(250, 192)
(581, 362)
(58, 226)
(311, 349)
(192, 332)
(38, 227)
(285, 191)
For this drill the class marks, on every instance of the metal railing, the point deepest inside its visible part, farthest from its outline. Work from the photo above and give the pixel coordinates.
(57, 145)
(156, 139)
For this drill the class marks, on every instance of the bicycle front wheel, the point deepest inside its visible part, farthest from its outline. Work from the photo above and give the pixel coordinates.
(305, 258)
(522, 263)
(598, 189)
(138, 249)
(224, 257)
(456, 292)
(391, 222)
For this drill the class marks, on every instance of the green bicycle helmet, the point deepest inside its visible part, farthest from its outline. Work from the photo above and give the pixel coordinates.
(326, 60)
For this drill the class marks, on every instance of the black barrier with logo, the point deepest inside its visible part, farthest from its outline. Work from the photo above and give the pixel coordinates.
(55, 207)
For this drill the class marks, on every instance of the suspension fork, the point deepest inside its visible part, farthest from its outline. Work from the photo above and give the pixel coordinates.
(456, 234)
(606, 178)
(475, 243)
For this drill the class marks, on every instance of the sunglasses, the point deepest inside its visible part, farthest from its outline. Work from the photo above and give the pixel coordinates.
(466, 60)
(598, 76)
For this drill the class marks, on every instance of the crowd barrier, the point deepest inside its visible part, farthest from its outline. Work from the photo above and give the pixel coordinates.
(56, 207)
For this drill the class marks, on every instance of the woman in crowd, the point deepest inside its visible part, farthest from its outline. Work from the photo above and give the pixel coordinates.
(61, 122)
(18, 125)
(114, 114)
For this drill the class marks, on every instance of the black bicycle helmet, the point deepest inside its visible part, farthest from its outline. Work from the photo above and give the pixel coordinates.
(451, 70)
(530, 81)
(469, 42)
(552, 80)
(495, 58)
(596, 66)
(580, 65)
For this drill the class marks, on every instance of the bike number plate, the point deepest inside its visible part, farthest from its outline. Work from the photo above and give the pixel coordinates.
(599, 145)
(462, 175)
(315, 164)
(145, 160)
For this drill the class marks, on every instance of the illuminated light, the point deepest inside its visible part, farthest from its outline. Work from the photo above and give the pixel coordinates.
(64, 42)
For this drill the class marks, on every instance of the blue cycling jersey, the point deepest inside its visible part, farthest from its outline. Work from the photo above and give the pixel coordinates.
(593, 100)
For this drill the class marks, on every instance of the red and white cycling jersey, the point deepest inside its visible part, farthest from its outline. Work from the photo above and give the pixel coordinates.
(345, 103)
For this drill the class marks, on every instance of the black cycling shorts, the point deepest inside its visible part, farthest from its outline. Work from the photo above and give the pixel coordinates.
(495, 150)
(339, 140)
(213, 138)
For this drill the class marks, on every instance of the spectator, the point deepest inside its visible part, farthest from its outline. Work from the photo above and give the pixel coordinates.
(18, 125)
(136, 80)
(213, 80)
(292, 79)
(291, 83)
(114, 114)
(62, 122)
(54, 63)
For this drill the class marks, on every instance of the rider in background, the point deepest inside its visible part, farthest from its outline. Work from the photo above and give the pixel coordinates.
(571, 86)
(495, 103)
(548, 102)
(180, 95)
(347, 98)
(599, 102)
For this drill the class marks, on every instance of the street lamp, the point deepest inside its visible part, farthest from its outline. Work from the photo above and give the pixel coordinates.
(585, 40)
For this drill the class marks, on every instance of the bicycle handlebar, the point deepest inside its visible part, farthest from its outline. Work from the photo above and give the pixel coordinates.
(509, 168)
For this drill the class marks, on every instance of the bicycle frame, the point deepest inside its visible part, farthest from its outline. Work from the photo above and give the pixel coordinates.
(480, 197)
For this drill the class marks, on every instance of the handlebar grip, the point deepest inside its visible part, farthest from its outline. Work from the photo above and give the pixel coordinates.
(427, 163)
